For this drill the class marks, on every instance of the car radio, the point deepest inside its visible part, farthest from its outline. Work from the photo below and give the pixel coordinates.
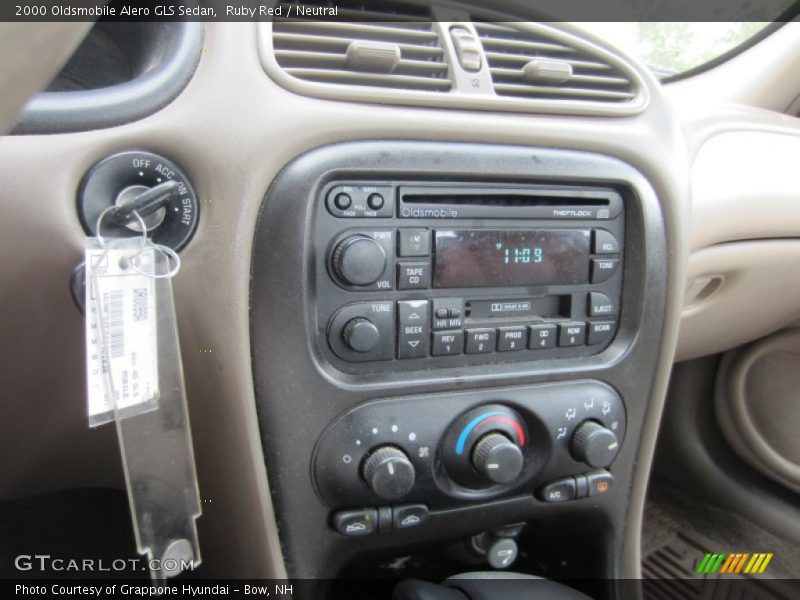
(426, 273)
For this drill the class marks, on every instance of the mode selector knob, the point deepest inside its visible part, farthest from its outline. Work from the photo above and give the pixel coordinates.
(497, 458)
(359, 260)
(361, 334)
(388, 472)
(594, 444)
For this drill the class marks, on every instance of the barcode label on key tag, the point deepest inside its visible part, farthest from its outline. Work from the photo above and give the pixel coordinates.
(121, 345)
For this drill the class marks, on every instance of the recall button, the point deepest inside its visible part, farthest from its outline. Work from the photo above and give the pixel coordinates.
(604, 242)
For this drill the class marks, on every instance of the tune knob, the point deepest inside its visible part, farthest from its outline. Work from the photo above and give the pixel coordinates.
(359, 260)
(594, 444)
(497, 458)
(388, 472)
(361, 335)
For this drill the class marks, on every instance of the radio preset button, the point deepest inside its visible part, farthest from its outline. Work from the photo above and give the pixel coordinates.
(600, 332)
(447, 343)
(571, 334)
(414, 242)
(512, 338)
(413, 275)
(413, 328)
(542, 337)
(480, 341)
(603, 268)
(600, 305)
(603, 242)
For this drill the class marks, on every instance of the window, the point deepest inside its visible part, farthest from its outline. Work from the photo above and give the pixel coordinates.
(672, 48)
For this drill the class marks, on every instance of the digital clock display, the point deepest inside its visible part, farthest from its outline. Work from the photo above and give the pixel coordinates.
(508, 257)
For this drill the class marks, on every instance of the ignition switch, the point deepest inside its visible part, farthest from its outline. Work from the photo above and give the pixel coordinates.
(127, 177)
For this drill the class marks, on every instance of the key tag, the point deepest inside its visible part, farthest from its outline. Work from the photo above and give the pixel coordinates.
(135, 379)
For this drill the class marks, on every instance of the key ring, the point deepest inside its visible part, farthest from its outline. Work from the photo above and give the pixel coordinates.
(102, 240)
(169, 253)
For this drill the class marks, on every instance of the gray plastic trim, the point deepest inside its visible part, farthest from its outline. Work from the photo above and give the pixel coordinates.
(62, 112)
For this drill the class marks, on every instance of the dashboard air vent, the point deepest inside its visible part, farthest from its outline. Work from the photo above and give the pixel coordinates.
(385, 45)
(533, 65)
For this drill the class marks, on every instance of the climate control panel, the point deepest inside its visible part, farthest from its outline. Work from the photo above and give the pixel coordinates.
(450, 449)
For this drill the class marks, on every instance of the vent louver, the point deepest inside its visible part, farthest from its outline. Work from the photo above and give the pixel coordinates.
(532, 65)
(384, 45)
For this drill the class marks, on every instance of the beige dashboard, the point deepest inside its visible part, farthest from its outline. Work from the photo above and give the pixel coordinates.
(233, 129)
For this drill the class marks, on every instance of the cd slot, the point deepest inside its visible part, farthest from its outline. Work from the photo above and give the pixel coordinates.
(440, 202)
(502, 200)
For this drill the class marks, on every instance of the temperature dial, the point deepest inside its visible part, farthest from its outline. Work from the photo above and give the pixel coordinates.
(488, 447)
(497, 458)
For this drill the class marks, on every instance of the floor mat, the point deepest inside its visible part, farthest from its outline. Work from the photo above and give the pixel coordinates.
(82, 524)
(680, 529)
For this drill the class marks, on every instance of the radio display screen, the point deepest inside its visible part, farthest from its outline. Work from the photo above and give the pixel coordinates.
(509, 257)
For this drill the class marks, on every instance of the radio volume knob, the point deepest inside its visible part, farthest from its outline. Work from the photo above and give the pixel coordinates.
(359, 260)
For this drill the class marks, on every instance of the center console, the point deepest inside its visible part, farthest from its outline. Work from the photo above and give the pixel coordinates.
(468, 355)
